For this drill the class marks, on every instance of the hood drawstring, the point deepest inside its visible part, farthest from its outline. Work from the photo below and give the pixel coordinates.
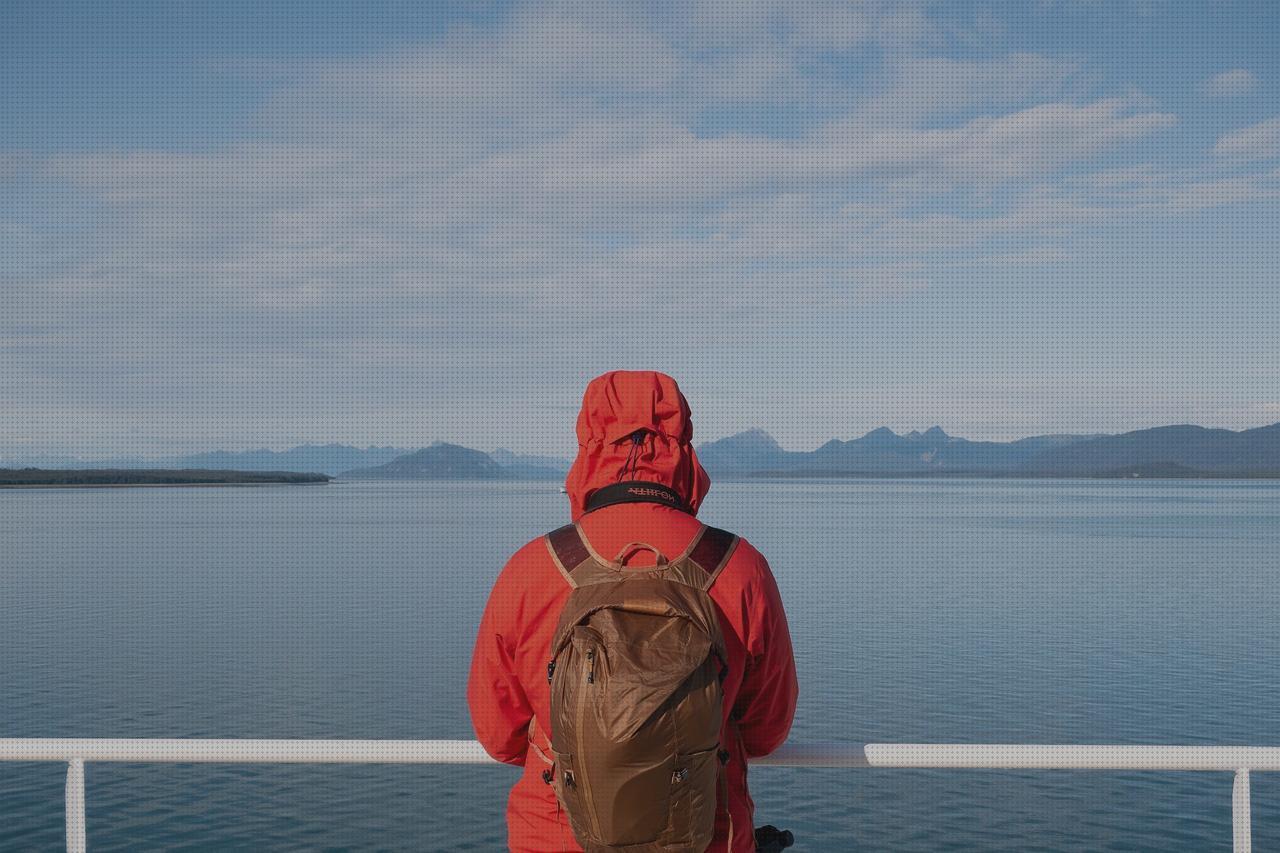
(633, 456)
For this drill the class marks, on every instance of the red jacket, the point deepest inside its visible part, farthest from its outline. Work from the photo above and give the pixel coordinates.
(508, 691)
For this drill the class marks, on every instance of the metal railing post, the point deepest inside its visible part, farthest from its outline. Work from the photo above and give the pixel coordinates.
(75, 806)
(1241, 817)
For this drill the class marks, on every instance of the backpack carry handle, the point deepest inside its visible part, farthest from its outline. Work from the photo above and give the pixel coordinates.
(620, 562)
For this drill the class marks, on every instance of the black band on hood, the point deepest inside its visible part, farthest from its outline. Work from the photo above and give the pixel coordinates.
(636, 491)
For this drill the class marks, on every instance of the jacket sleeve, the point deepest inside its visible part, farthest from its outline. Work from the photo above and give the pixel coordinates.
(500, 710)
(766, 701)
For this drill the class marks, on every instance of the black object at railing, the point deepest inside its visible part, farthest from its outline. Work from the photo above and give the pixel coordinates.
(770, 839)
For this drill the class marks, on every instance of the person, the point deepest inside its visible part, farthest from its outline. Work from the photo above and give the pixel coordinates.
(634, 428)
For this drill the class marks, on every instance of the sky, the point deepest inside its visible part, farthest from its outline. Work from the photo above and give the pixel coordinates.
(239, 225)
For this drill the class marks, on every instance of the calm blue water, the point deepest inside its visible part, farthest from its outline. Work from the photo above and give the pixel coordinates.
(1142, 612)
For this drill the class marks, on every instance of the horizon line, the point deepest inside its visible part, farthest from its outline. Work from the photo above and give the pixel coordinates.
(9, 455)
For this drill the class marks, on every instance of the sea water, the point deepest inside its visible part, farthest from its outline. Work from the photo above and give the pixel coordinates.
(944, 611)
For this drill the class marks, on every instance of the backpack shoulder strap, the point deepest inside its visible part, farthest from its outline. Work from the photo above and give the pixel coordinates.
(707, 555)
(568, 550)
(710, 552)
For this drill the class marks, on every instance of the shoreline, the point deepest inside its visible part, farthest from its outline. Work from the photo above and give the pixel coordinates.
(154, 485)
(35, 478)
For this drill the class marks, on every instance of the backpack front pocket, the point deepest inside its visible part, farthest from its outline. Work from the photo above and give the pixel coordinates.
(693, 798)
(564, 782)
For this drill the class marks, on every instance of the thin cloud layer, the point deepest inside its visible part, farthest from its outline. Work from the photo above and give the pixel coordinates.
(1257, 142)
(1230, 84)
(386, 231)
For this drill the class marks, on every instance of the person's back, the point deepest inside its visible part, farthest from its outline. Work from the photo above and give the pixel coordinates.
(634, 428)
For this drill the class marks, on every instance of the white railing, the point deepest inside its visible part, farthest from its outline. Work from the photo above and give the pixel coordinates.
(75, 752)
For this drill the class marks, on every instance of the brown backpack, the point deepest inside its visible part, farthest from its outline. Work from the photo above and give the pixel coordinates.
(636, 701)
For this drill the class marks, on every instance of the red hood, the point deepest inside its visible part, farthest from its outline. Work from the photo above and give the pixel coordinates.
(614, 406)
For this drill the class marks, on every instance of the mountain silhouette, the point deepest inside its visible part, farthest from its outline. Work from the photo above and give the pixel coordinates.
(309, 458)
(1193, 450)
(440, 461)
(1174, 451)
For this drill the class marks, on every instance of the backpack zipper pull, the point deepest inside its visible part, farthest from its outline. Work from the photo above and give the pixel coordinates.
(591, 666)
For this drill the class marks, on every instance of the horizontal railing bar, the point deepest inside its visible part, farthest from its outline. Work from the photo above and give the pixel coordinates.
(995, 756)
(887, 755)
(245, 751)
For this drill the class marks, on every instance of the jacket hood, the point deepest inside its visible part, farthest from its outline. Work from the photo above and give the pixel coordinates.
(616, 406)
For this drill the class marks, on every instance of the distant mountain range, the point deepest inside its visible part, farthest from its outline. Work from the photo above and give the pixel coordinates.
(1172, 451)
(880, 452)
(307, 458)
(523, 466)
(443, 461)
(1175, 451)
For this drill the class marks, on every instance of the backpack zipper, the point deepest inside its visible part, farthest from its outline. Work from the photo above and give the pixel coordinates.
(582, 712)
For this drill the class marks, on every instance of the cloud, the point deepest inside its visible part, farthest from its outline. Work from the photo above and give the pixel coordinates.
(563, 144)
(291, 213)
(1257, 142)
(1230, 84)
(353, 257)
(929, 88)
(817, 25)
(880, 284)
(1047, 137)
(1144, 189)
(1209, 194)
